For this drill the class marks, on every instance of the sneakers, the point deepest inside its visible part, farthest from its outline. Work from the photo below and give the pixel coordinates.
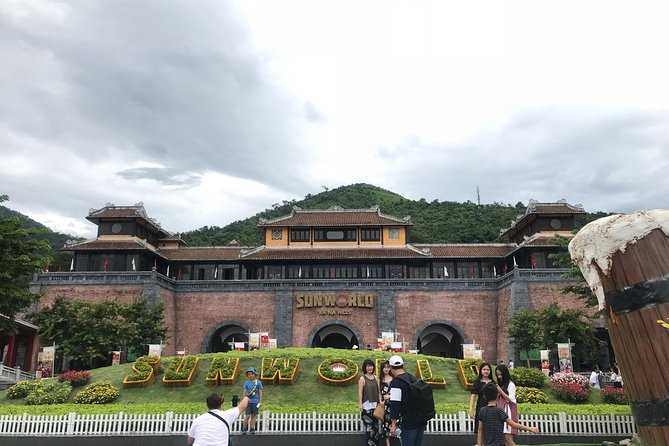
(244, 430)
(252, 431)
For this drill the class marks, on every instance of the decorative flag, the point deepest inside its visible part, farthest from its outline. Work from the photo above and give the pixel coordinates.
(259, 273)
(216, 273)
(472, 272)
(494, 271)
(445, 271)
(155, 263)
(515, 265)
(168, 271)
(506, 268)
(106, 265)
(72, 264)
(134, 267)
(299, 273)
(534, 261)
(368, 272)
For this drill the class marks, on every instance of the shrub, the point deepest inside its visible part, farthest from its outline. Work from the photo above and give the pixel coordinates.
(570, 392)
(526, 377)
(100, 392)
(570, 378)
(530, 395)
(22, 389)
(52, 393)
(613, 395)
(76, 378)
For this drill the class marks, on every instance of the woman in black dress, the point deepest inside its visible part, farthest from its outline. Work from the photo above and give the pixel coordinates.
(385, 378)
(485, 377)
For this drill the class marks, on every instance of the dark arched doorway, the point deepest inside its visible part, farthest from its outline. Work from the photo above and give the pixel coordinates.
(222, 340)
(335, 336)
(440, 340)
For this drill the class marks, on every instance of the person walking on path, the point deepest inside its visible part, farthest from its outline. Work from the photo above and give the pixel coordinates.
(252, 390)
(596, 378)
(213, 427)
(368, 398)
(409, 430)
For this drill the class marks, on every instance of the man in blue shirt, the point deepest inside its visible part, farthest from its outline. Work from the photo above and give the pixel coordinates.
(410, 430)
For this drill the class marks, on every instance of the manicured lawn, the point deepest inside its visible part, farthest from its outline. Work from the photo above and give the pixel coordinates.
(306, 395)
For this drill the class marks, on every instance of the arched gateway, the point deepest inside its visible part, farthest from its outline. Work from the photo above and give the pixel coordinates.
(220, 338)
(334, 334)
(439, 338)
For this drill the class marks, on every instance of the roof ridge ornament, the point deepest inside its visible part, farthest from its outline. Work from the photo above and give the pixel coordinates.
(335, 208)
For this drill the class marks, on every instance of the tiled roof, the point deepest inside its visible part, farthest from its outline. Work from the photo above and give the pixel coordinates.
(332, 253)
(560, 207)
(468, 250)
(545, 238)
(109, 245)
(203, 253)
(336, 216)
(113, 212)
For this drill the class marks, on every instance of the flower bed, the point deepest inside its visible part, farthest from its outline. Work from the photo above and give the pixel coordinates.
(279, 370)
(222, 371)
(530, 395)
(570, 387)
(425, 373)
(468, 371)
(614, 395)
(181, 373)
(75, 377)
(337, 371)
(145, 369)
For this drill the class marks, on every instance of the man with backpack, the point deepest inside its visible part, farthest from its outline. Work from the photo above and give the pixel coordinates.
(411, 404)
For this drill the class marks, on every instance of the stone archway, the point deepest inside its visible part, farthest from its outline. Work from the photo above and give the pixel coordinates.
(334, 334)
(219, 337)
(439, 338)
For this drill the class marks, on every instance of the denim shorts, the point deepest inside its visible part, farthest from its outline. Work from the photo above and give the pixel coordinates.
(252, 409)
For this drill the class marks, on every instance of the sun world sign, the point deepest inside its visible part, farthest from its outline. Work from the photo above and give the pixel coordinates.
(334, 303)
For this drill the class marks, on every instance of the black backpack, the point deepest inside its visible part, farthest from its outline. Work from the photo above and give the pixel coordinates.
(421, 401)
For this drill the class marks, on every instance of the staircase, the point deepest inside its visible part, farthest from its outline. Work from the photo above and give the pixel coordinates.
(11, 375)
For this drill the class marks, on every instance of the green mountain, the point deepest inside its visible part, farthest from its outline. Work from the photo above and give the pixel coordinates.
(434, 222)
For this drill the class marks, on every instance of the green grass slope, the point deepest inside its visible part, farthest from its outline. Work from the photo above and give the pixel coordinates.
(306, 395)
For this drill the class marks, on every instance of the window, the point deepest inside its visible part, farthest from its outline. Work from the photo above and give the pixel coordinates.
(393, 234)
(397, 271)
(488, 271)
(372, 271)
(297, 272)
(419, 272)
(299, 235)
(277, 234)
(334, 235)
(370, 235)
(274, 271)
(346, 271)
(468, 270)
(323, 272)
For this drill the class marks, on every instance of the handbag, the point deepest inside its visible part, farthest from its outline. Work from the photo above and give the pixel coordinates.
(379, 410)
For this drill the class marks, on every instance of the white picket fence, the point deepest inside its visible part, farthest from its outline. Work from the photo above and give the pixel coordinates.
(74, 424)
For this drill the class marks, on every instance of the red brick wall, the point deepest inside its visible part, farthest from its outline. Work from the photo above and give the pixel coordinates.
(198, 313)
(91, 293)
(363, 320)
(504, 299)
(475, 313)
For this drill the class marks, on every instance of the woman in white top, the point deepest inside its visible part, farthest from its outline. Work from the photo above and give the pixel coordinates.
(507, 401)
(595, 377)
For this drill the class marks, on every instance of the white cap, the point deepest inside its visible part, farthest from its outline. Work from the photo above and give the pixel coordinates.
(396, 361)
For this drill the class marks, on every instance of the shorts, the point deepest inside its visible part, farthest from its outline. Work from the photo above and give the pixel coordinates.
(252, 409)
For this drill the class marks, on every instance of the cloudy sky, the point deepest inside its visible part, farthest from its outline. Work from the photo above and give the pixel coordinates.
(211, 111)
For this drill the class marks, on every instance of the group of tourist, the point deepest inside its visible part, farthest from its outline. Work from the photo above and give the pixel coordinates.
(384, 403)
(613, 374)
(493, 407)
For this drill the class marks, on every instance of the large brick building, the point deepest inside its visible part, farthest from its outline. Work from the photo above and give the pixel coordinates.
(331, 277)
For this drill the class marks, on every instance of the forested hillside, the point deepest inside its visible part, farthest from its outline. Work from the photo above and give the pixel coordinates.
(434, 222)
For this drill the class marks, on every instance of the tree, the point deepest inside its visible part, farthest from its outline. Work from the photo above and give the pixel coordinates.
(21, 255)
(525, 330)
(548, 326)
(86, 332)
